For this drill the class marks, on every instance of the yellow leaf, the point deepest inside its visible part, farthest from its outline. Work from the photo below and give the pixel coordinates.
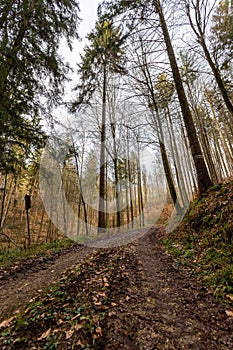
(45, 334)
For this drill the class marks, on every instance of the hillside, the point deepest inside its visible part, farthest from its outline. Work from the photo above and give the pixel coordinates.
(204, 240)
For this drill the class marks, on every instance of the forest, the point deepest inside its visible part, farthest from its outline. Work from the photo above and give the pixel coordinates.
(116, 176)
(146, 129)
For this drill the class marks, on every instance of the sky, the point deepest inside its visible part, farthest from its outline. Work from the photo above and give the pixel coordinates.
(88, 15)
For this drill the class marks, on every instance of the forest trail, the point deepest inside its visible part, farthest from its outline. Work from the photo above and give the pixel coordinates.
(161, 307)
(152, 302)
(24, 281)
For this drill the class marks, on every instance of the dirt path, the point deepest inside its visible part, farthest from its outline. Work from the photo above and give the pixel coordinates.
(153, 303)
(161, 307)
(23, 282)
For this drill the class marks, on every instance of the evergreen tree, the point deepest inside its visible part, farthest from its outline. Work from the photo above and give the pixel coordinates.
(31, 71)
(102, 56)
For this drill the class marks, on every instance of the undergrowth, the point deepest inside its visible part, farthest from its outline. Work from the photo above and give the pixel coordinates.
(204, 241)
(12, 256)
(71, 313)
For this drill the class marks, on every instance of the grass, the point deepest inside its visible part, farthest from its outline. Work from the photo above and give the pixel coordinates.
(13, 256)
(204, 241)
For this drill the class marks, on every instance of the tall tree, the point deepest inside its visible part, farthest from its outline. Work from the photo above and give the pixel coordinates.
(199, 27)
(103, 56)
(30, 67)
(119, 7)
(222, 30)
(204, 181)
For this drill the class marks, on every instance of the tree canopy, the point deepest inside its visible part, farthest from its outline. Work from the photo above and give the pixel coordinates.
(31, 70)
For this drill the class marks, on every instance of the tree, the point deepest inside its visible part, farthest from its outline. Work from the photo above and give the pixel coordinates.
(222, 30)
(118, 7)
(204, 181)
(199, 27)
(30, 67)
(103, 56)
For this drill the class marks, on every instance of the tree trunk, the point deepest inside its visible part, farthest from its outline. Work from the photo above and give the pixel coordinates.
(218, 78)
(130, 182)
(174, 147)
(204, 181)
(115, 163)
(102, 218)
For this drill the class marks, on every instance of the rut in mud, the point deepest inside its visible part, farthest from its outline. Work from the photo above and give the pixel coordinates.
(152, 303)
(24, 281)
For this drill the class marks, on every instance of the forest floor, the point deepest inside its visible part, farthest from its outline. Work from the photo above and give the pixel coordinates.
(130, 297)
(22, 281)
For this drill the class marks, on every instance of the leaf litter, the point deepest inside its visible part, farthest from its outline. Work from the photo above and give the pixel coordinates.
(132, 297)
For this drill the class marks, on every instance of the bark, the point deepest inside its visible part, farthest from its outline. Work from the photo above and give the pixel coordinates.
(115, 163)
(101, 214)
(140, 195)
(177, 160)
(3, 201)
(80, 190)
(130, 182)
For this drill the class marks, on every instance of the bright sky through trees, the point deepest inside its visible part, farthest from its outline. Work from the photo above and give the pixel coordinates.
(88, 15)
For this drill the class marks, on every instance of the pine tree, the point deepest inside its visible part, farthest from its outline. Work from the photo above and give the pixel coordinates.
(102, 56)
(30, 67)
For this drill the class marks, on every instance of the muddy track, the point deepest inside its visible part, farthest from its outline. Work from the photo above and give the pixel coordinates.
(154, 303)
(160, 306)
(27, 279)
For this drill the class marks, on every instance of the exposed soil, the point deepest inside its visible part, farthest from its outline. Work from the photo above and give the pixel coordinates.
(22, 282)
(161, 307)
(153, 303)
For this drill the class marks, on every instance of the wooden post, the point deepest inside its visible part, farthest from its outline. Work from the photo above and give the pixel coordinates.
(27, 207)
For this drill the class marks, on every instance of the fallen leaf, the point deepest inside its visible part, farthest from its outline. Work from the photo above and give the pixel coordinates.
(78, 326)
(229, 297)
(113, 304)
(69, 333)
(6, 323)
(229, 313)
(99, 330)
(111, 313)
(45, 334)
